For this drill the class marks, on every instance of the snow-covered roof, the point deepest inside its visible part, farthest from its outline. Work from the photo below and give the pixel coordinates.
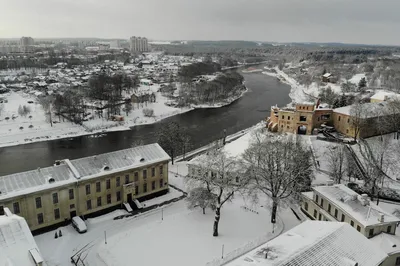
(327, 75)
(387, 242)
(370, 109)
(384, 95)
(349, 201)
(316, 243)
(17, 245)
(85, 168)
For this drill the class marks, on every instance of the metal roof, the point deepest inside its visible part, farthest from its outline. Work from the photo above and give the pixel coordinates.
(84, 168)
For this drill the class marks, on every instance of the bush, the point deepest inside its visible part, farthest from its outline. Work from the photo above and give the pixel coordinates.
(148, 112)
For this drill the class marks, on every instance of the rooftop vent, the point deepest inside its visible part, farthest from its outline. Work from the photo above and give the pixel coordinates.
(141, 160)
(57, 162)
(51, 179)
(106, 168)
(38, 169)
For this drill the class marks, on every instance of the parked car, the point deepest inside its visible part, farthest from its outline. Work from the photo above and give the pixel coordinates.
(79, 224)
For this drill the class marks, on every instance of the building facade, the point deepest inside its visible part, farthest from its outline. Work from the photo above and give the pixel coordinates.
(26, 44)
(138, 44)
(338, 203)
(302, 119)
(86, 186)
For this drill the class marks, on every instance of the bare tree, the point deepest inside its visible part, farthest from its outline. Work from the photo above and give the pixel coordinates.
(219, 175)
(337, 162)
(201, 197)
(148, 112)
(47, 106)
(169, 139)
(128, 107)
(281, 169)
(358, 117)
(1, 108)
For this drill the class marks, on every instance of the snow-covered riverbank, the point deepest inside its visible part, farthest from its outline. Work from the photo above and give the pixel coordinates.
(34, 127)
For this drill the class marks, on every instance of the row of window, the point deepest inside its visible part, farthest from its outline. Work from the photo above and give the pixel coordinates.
(38, 200)
(348, 119)
(40, 217)
(213, 174)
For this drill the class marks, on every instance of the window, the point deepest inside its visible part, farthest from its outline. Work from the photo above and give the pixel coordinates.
(87, 189)
(89, 204)
(161, 170)
(336, 213)
(306, 206)
(136, 190)
(71, 194)
(320, 217)
(287, 127)
(348, 120)
(288, 118)
(397, 261)
(126, 179)
(16, 207)
(38, 202)
(136, 176)
(108, 198)
(118, 181)
(347, 131)
(161, 183)
(145, 173)
(72, 206)
(56, 214)
(108, 184)
(55, 198)
(358, 228)
(352, 223)
(98, 187)
(98, 201)
(371, 232)
(40, 218)
(303, 118)
(153, 172)
(118, 195)
(315, 214)
(153, 185)
(329, 208)
(342, 217)
(237, 179)
(325, 117)
(144, 187)
(316, 198)
(322, 202)
(338, 118)
(283, 117)
(389, 229)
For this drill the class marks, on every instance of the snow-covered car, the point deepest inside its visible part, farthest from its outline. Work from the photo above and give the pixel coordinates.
(79, 225)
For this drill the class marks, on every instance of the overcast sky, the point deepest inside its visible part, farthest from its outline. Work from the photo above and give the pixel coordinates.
(351, 21)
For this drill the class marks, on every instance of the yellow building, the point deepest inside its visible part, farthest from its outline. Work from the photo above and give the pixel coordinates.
(302, 119)
(86, 187)
(338, 203)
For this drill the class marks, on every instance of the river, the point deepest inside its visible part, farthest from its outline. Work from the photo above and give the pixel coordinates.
(204, 126)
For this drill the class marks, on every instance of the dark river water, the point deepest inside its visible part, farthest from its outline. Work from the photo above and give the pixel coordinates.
(204, 126)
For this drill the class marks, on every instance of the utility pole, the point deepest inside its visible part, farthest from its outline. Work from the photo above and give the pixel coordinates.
(105, 237)
(162, 214)
(222, 251)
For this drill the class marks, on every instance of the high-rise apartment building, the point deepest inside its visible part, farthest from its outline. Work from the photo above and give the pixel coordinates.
(138, 44)
(26, 44)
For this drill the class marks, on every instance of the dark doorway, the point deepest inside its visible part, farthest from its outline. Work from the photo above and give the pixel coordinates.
(302, 130)
(129, 197)
(72, 214)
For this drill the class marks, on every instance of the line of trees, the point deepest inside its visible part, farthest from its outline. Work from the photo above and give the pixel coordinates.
(187, 73)
(219, 89)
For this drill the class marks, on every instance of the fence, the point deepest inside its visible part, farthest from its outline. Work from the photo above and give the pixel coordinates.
(248, 247)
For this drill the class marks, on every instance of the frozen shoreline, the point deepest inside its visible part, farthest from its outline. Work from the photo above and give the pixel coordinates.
(64, 131)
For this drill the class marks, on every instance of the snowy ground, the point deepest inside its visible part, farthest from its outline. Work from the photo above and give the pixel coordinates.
(11, 134)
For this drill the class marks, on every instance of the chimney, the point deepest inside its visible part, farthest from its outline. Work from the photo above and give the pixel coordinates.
(2, 210)
(381, 218)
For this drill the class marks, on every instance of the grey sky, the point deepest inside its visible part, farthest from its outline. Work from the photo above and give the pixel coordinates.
(353, 21)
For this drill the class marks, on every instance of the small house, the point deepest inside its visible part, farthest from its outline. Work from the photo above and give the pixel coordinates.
(327, 77)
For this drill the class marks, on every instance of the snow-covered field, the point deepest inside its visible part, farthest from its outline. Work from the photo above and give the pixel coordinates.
(11, 134)
(10, 129)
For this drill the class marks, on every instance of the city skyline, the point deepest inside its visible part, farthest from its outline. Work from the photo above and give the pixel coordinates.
(367, 21)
